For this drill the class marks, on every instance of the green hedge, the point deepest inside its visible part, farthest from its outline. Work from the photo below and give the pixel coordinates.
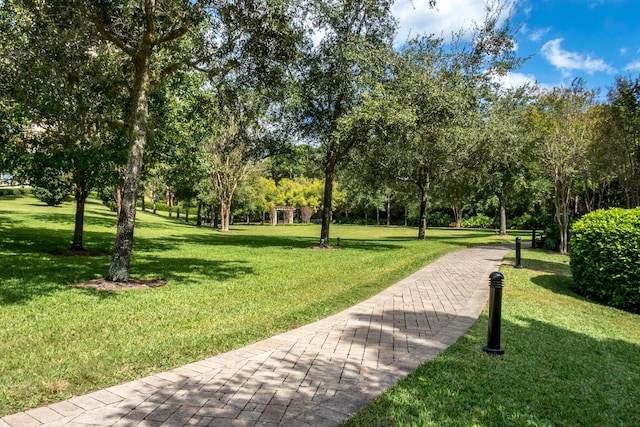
(605, 257)
(15, 191)
(478, 221)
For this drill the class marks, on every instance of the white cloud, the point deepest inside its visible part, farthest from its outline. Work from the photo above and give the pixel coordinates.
(565, 60)
(515, 80)
(623, 51)
(448, 17)
(537, 34)
(633, 66)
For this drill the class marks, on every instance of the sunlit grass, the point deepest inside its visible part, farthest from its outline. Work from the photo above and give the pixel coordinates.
(224, 291)
(568, 362)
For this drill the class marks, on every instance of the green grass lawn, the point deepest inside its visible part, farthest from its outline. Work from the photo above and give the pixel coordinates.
(224, 291)
(568, 362)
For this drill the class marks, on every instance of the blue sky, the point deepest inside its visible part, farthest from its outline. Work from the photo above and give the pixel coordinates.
(593, 39)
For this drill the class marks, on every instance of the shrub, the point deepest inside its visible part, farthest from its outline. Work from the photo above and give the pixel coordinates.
(478, 221)
(52, 196)
(439, 219)
(108, 197)
(605, 257)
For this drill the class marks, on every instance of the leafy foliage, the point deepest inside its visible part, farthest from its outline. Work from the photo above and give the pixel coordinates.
(605, 249)
(478, 221)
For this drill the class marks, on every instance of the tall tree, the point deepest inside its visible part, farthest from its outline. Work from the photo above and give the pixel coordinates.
(70, 116)
(435, 91)
(623, 128)
(507, 150)
(355, 38)
(228, 160)
(154, 40)
(560, 119)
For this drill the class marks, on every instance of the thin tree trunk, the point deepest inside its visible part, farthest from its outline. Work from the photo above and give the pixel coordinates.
(154, 196)
(187, 205)
(81, 194)
(119, 270)
(406, 215)
(169, 204)
(388, 211)
(457, 216)
(118, 192)
(326, 205)
(199, 218)
(144, 208)
(422, 228)
(503, 215)
(561, 201)
(424, 192)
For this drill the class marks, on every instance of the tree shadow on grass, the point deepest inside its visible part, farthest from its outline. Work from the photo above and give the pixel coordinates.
(23, 281)
(546, 266)
(41, 240)
(262, 241)
(548, 376)
(557, 283)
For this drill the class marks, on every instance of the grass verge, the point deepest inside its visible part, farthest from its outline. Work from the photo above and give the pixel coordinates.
(568, 362)
(224, 291)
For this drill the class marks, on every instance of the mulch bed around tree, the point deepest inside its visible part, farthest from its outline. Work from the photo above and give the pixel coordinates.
(104, 284)
(108, 285)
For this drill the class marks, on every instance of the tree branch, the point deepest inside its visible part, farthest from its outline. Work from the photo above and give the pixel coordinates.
(104, 33)
(175, 34)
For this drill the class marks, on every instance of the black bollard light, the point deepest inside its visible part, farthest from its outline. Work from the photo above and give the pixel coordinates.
(496, 280)
(518, 253)
(533, 238)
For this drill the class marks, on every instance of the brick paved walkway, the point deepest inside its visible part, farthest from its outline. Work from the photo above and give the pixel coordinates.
(316, 375)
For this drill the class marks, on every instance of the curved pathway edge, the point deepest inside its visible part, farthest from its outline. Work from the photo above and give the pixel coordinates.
(317, 375)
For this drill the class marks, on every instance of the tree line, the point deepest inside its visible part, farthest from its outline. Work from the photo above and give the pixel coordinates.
(203, 100)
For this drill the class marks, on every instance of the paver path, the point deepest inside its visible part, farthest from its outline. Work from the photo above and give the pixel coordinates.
(316, 375)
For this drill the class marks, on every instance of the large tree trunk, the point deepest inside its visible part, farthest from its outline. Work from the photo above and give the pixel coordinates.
(326, 204)
(119, 270)
(81, 194)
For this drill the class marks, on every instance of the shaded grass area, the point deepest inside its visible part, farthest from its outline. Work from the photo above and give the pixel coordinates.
(224, 291)
(568, 362)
